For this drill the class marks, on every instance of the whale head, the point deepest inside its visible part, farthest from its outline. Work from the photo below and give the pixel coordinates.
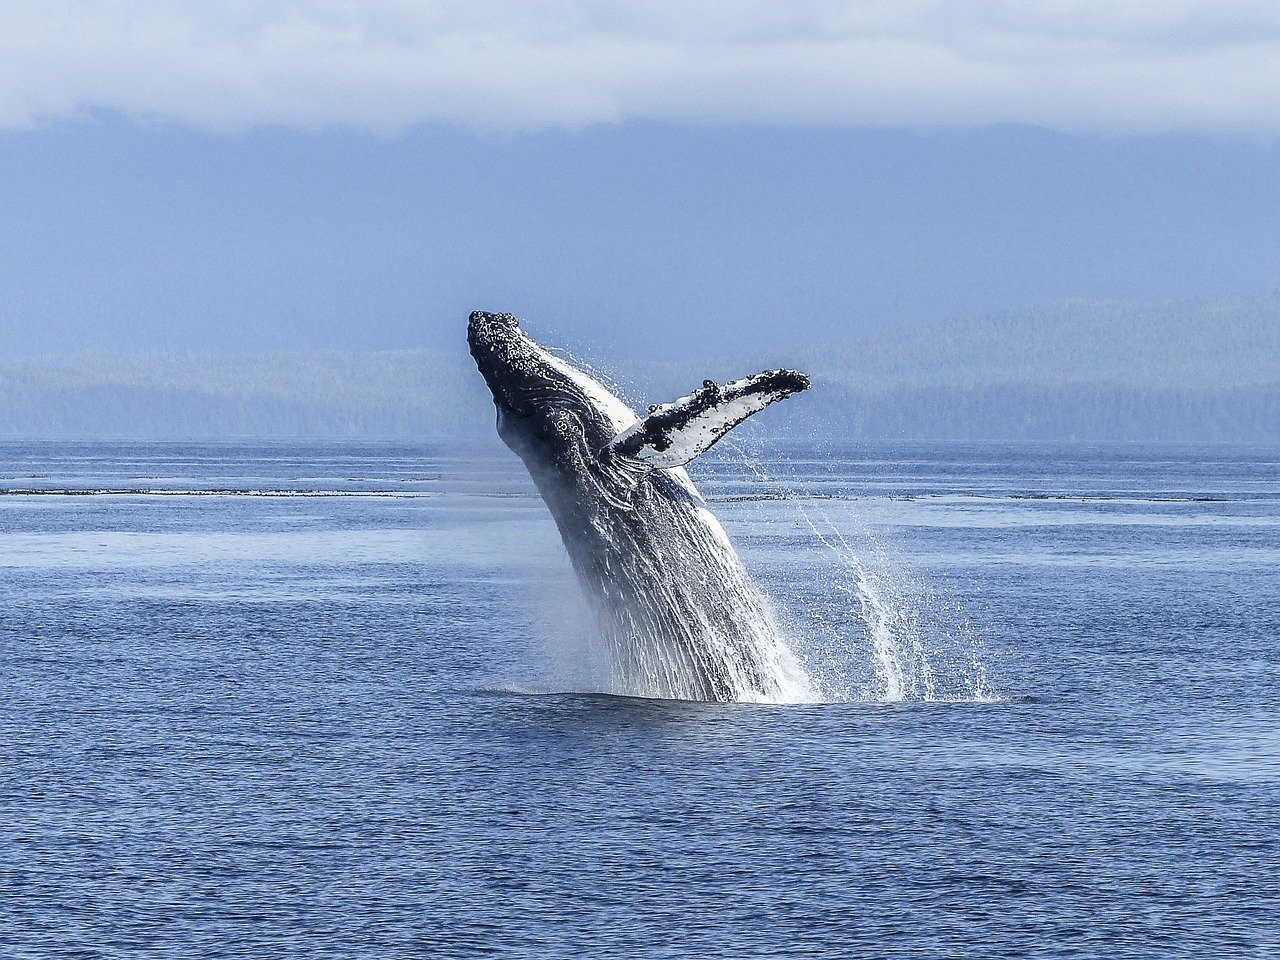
(549, 412)
(568, 427)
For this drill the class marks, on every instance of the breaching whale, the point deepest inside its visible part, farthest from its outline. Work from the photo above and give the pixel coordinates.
(683, 618)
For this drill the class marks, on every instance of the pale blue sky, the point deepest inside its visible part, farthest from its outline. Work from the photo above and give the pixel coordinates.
(632, 177)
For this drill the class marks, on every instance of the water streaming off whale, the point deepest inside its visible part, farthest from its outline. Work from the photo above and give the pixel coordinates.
(682, 617)
(875, 633)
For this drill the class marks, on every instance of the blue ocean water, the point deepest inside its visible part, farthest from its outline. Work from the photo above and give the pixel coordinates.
(332, 700)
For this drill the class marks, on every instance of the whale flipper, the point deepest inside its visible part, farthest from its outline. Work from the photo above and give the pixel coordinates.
(675, 433)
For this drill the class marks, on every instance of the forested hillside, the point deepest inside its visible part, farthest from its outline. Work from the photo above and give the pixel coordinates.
(1088, 371)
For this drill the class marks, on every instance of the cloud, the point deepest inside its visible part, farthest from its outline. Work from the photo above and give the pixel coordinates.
(1116, 65)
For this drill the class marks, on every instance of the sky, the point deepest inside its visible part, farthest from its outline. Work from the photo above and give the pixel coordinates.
(384, 65)
(648, 179)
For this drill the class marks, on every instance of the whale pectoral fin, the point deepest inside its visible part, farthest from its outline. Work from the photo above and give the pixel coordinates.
(675, 433)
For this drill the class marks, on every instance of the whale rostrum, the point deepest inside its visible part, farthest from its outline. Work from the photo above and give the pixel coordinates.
(682, 617)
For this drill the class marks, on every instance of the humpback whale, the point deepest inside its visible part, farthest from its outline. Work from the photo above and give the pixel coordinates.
(682, 617)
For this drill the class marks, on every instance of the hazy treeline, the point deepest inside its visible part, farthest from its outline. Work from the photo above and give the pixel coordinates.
(398, 394)
(1177, 344)
(1088, 371)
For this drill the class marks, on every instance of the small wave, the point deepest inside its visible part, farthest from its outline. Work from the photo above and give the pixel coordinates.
(603, 697)
(781, 495)
(524, 690)
(987, 497)
(1104, 498)
(213, 492)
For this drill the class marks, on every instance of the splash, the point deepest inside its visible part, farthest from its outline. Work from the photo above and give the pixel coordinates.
(680, 615)
(874, 633)
(708, 633)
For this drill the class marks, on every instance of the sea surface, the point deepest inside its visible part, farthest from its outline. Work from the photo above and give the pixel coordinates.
(342, 700)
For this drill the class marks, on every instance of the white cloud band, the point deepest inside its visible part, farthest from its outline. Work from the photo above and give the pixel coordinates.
(385, 64)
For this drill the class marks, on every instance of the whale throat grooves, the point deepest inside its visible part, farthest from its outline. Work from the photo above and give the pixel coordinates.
(682, 615)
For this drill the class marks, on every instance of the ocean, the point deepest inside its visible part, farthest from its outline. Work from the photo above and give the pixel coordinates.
(343, 700)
